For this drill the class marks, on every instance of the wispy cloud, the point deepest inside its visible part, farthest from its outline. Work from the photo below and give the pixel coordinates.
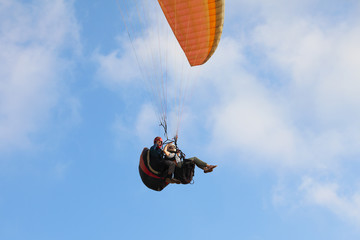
(299, 103)
(331, 196)
(293, 102)
(32, 38)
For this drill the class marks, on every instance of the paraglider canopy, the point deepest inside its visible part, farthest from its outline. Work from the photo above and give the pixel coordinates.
(197, 25)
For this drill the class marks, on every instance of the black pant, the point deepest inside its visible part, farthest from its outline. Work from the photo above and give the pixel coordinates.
(169, 167)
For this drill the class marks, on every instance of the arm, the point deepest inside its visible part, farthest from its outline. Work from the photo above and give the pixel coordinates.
(167, 153)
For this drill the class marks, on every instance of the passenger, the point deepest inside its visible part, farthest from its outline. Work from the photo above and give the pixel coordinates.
(171, 153)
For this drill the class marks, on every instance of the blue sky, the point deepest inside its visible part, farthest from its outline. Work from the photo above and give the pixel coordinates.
(276, 107)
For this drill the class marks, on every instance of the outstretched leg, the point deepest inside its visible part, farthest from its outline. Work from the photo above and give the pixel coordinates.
(203, 165)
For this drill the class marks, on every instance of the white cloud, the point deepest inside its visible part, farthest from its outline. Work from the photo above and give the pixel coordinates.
(114, 70)
(329, 196)
(32, 36)
(141, 125)
(144, 125)
(289, 97)
(305, 112)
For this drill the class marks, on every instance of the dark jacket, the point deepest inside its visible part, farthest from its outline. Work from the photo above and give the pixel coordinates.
(156, 158)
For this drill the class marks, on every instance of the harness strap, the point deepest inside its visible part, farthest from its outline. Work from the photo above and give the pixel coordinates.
(148, 163)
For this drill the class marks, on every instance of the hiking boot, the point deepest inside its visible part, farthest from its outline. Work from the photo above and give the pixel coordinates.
(172, 180)
(209, 168)
(176, 181)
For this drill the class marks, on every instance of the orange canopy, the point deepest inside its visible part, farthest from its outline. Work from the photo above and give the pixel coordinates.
(197, 25)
